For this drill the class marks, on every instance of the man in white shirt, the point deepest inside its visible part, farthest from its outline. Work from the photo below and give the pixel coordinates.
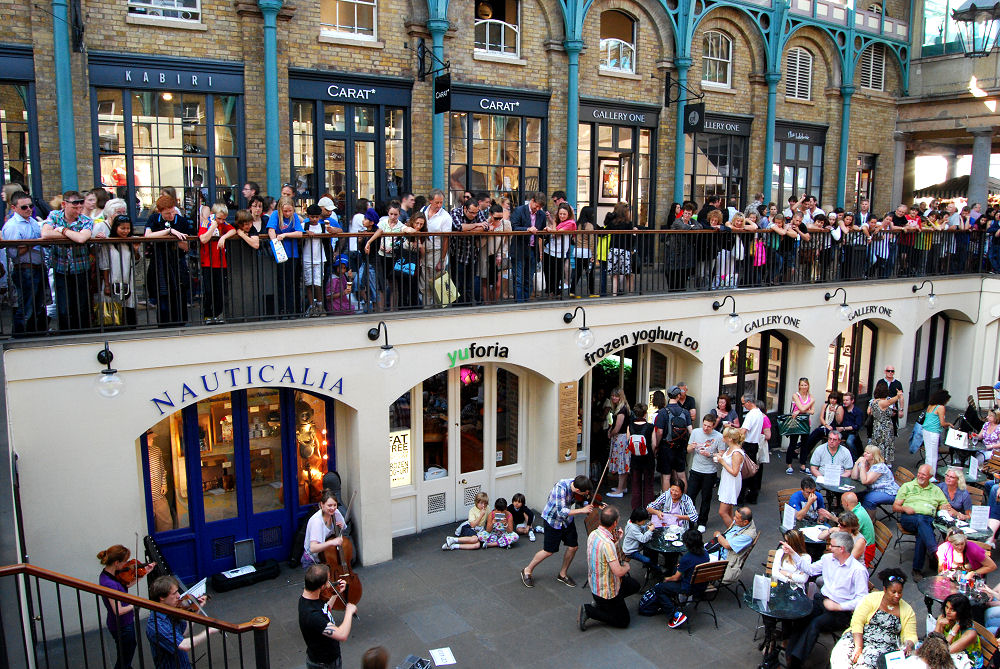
(752, 429)
(811, 210)
(831, 453)
(438, 220)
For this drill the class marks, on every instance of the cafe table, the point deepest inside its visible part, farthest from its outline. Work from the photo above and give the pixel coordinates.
(785, 604)
(815, 547)
(668, 544)
(844, 484)
(942, 526)
(939, 588)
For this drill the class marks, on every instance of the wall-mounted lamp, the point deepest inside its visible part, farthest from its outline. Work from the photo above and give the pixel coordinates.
(584, 337)
(388, 356)
(845, 309)
(932, 298)
(109, 383)
(733, 321)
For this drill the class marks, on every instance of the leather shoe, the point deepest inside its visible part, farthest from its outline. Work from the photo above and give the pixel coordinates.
(567, 579)
(526, 578)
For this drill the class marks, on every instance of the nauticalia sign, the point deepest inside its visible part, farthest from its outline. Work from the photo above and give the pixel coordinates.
(648, 336)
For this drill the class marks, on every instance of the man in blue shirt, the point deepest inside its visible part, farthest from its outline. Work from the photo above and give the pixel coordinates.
(26, 266)
(807, 501)
(850, 427)
(558, 518)
(523, 250)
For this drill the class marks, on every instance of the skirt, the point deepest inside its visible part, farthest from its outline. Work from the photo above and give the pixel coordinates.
(620, 457)
(619, 261)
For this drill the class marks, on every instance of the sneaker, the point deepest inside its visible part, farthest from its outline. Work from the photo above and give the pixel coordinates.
(614, 494)
(451, 541)
(539, 529)
(446, 546)
(566, 580)
(583, 618)
(485, 545)
(790, 471)
(701, 528)
(678, 620)
(531, 535)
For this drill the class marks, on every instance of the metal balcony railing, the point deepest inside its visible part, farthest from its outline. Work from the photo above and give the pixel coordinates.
(116, 285)
(63, 624)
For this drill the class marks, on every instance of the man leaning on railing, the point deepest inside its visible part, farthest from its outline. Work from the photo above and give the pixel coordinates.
(71, 263)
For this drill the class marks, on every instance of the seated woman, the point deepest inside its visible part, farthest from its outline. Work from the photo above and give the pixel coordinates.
(872, 470)
(784, 569)
(680, 582)
(990, 435)
(955, 624)
(882, 623)
(954, 490)
(848, 522)
(830, 417)
(674, 507)
(319, 527)
(169, 637)
(932, 654)
(958, 553)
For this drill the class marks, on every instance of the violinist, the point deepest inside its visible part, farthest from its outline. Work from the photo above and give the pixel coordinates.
(321, 634)
(121, 618)
(169, 639)
(560, 527)
(320, 525)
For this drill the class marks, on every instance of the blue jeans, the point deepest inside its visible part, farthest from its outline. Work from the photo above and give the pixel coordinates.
(525, 264)
(640, 557)
(125, 643)
(875, 497)
(992, 619)
(29, 311)
(921, 526)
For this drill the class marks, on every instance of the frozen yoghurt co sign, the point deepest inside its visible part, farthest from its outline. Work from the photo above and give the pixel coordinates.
(771, 320)
(649, 336)
(245, 376)
(870, 310)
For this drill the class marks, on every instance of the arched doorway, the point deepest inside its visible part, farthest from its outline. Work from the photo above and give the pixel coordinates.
(247, 464)
(459, 432)
(757, 365)
(930, 350)
(851, 365)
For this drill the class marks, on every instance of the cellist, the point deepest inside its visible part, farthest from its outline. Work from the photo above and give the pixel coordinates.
(320, 525)
(559, 519)
(321, 635)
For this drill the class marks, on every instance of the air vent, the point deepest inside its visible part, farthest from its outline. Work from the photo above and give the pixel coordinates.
(436, 503)
(222, 547)
(269, 537)
(470, 494)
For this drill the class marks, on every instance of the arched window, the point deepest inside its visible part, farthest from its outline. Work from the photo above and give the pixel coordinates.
(798, 74)
(498, 27)
(873, 67)
(717, 56)
(617, 41)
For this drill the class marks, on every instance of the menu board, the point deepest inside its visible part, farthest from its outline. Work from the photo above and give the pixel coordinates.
(568, 421)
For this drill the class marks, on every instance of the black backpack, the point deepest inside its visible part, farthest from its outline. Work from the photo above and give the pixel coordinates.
(676, 429)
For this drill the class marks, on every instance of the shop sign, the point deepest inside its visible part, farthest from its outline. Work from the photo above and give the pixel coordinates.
(798, 133)
(694, 118)
(618, 115)
(399, 458)
(465, 98)
(724, 125)
(773, 319)
(245, 376)
(349, 92)
(165, 79)
(475, 350)
(650, 336)
(442, 94)
(348, 88)
(871, 310)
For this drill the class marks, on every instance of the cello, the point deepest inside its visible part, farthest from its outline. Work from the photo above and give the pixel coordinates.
(339, 559)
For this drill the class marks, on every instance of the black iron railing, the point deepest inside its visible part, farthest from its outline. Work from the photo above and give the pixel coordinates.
(113, 285)
(64, 623)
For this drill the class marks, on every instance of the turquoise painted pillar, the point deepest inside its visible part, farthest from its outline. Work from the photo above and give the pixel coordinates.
(846, 93)
(64, 96)
(573, 48)
(437, 28)
(683, 64)
(272, 124)
(772, 79)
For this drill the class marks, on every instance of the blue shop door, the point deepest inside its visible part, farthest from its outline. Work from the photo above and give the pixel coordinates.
(271, 476)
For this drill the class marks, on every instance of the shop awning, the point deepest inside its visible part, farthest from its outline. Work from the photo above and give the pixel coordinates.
(957, 187)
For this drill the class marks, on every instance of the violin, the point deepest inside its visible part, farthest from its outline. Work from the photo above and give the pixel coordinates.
(338, 559)
(132, 571)
(189, 603)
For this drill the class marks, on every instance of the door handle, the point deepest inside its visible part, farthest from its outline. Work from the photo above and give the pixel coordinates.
(463, 482)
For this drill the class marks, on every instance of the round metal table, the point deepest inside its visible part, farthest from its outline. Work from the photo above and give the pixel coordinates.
(939, 588)
(786, 603)
(844, 485)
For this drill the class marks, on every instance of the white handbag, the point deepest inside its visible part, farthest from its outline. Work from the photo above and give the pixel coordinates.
(957, 439)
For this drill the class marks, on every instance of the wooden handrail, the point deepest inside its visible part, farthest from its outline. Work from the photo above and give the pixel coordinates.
(258, 623)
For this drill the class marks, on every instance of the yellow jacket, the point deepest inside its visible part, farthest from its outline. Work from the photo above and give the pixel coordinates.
(869, 605)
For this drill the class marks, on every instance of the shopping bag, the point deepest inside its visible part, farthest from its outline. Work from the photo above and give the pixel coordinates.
(278, 248)
(111, 313)
(539, 282)
(405, 268)
(789, 424)
(957, 439)
(445, 290)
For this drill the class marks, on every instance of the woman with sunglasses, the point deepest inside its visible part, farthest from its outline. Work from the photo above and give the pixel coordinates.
(882, 623)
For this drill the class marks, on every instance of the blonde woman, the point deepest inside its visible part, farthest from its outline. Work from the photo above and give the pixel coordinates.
(618, 438)
(872, 470)
(731, 480)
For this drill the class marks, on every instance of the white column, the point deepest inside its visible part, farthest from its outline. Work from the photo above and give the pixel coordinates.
(982, 147)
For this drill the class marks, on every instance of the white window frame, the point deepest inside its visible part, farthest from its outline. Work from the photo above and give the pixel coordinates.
(610, 43)
(798, 74)
(727, 62)
(498, 49)
(351, 29)
(873, 67)
(166, 9)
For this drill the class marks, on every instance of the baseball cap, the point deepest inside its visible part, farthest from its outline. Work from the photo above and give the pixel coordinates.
(674, 391)
(326, 203)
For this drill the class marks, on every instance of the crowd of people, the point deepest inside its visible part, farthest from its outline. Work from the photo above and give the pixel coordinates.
(281, 257)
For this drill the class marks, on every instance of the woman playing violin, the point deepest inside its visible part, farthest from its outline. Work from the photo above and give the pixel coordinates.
(320, 526)
(121, 618)
(169, 640)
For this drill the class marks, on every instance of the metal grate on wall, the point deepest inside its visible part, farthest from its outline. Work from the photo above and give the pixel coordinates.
(222, 547)
(436, 502)
(269, 537)
(470, 494)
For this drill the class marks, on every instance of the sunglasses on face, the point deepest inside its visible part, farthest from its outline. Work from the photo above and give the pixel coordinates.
(76, 202)
(890, 371)
(24, 206)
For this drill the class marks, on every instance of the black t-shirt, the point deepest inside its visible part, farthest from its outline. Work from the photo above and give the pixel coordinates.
(312, 621)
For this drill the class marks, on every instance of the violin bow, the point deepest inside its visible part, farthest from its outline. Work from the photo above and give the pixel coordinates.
(601, 480)
(329, 612)
(136, 557)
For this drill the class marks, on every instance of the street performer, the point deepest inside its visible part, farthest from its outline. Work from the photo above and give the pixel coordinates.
(610, 582)
(560, 527)
(321, 634)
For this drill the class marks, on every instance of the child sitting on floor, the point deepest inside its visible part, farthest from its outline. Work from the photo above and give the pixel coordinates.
(498, 531)
(477, 517)
(523, 516)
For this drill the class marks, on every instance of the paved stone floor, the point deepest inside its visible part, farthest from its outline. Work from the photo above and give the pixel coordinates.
(474, 603)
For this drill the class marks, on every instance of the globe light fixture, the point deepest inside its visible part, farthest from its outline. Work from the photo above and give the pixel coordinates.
(733, 320)
(109, 383)
(845, 309)
(931, 298)
(388, 356)
(584, 337)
